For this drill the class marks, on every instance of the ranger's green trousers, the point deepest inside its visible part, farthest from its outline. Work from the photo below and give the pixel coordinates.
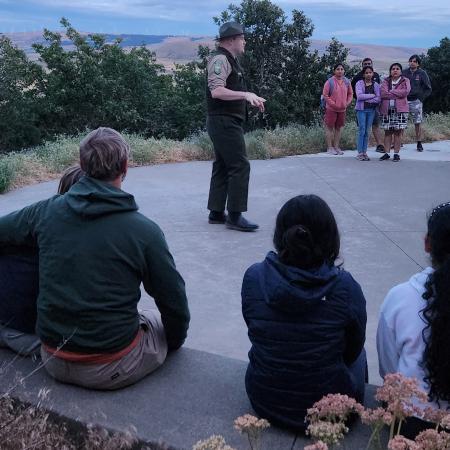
(231, 169)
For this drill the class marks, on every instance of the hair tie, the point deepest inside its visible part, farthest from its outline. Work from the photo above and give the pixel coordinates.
(439, 207)
(301, 231)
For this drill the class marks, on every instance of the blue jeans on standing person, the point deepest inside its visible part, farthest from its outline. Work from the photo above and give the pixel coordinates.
(365, 118)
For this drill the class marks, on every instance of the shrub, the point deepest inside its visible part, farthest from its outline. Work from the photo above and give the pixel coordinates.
(256, 145)
(51, 158)
(8, 170)
(60, 153)
(203, 143)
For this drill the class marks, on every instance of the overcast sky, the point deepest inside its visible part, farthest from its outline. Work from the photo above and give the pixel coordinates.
(416, 23)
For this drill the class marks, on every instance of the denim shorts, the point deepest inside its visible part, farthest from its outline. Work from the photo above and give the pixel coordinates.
(416, 111)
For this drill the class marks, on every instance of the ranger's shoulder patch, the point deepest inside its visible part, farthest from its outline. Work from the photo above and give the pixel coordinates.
(218, 67)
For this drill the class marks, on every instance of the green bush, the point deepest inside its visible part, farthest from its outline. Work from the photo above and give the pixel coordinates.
(143, 151)
(60, 153)
(201, 145)
(349, 136)
(53, 157)
(256, 145)
(8, 170)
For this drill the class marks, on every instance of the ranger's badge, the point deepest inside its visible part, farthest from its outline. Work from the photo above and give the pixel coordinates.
(217, 67)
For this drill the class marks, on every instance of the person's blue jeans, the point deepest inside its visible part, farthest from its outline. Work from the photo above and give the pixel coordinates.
(365, 118)
(358, 371)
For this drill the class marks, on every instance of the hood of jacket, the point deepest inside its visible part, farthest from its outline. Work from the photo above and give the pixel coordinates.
(91, 198)
(418, 280)
(292, 289)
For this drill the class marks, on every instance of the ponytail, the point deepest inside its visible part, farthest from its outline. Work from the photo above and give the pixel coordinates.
(299, 249)
(306, 234)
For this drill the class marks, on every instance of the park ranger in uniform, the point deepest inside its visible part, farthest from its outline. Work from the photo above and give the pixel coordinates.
(227, 110)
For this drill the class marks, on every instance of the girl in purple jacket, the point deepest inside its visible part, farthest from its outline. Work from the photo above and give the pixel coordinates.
(367, 101)
(394, 109)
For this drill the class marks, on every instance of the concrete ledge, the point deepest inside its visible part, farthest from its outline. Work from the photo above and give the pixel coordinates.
(194, 395)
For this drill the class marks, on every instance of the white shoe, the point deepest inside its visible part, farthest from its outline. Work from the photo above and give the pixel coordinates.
(332, 151)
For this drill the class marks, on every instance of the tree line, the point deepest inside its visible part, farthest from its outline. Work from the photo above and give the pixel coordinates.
(97, 83)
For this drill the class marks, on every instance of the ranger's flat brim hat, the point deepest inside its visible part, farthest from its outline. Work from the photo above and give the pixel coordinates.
(230, 29)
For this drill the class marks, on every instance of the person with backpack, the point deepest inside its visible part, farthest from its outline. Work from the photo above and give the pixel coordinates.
(337, 95)
(367, 62)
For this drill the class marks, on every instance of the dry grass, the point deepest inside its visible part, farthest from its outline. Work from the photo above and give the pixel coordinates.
(49, 160)
(26, 427)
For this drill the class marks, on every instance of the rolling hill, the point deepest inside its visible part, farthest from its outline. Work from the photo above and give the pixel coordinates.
(181, 49)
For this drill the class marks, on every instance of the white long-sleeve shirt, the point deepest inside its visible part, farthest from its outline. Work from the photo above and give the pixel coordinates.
(400, 344)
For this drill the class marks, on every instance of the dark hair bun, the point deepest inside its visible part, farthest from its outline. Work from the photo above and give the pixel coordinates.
(298, 245)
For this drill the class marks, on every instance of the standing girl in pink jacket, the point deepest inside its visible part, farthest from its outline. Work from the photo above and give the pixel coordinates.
(338, 94)
(394, 109)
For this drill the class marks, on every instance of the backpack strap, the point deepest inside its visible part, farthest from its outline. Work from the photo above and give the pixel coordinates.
(331, 86)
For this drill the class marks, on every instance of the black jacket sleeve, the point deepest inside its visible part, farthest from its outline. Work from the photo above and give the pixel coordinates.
(355, 332)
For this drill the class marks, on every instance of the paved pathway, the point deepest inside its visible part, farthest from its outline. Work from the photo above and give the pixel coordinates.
(380, 208)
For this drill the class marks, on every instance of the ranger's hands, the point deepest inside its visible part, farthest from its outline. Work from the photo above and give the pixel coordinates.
(255, 101)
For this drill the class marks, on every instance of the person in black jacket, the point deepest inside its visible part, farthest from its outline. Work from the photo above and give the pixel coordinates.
(227, 98)
(306, 318)
(367, 62)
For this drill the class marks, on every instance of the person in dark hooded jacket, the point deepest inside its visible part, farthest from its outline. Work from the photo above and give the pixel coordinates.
(306, 318)
(95, 250)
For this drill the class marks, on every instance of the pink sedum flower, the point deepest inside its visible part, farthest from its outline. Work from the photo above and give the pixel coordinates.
(319, 445)
(328, 432)
(401, 443)
(333, 407)
(248, 422)
(398, 392)
(378, 416)
(433, 440)
(445, 422)
(433, 414)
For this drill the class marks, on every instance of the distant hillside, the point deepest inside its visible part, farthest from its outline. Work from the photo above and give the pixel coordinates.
(181, 49)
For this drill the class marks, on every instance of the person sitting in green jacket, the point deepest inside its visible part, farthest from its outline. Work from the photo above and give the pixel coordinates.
(95, 250)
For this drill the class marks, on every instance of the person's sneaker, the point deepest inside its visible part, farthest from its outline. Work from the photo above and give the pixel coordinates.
(218, 217)
(332, 151)
(360, 157)
(240, 224)
(419, 147)
(366, 158)
(396, 158)
(339, 151)
(385, 157)
(380, 149)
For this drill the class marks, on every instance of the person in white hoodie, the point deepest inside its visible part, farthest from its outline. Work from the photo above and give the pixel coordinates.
(413, 336)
